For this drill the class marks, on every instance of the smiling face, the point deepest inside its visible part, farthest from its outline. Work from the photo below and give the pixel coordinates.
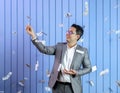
(71, 36)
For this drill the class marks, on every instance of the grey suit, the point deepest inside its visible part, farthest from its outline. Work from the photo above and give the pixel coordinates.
(80, 63)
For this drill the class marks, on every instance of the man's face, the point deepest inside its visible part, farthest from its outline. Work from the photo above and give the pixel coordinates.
(71, 36)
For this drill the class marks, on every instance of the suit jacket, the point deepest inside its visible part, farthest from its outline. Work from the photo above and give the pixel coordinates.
(81, 63)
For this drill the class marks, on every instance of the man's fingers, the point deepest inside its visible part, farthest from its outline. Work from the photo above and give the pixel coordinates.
(28, 28)
(65, 71)
(73, 71)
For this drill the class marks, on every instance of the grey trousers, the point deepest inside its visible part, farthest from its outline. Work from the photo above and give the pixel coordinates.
(61, 87)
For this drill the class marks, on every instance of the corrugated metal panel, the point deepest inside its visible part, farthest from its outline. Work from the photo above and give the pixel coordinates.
(100, 19)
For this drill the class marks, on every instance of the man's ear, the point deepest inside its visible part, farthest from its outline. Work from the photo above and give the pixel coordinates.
(78, 36)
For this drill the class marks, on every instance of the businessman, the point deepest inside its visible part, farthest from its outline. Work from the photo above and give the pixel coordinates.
(71, 61)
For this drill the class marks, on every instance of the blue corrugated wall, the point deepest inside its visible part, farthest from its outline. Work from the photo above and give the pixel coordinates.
(18, 56)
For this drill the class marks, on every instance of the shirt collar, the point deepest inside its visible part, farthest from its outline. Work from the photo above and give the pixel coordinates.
(72, 47)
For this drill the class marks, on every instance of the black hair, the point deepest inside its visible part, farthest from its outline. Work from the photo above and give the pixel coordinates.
(79, 30)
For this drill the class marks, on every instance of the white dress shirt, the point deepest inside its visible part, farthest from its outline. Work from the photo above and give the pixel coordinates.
(68, 57)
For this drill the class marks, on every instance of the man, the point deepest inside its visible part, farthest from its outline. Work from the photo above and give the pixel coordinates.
(71, 61)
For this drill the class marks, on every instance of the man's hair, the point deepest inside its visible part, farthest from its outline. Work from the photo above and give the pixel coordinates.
(79, 30)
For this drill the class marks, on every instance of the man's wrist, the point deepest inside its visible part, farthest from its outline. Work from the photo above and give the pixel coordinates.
(34, 37)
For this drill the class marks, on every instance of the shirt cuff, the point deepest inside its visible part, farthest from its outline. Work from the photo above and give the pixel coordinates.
(34, 38)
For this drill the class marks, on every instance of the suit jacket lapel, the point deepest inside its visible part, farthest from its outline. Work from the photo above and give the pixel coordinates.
(74, 57)
(63, 51)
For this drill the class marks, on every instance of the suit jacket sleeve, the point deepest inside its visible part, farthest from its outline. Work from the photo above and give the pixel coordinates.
(50, 50)
(86, 64)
